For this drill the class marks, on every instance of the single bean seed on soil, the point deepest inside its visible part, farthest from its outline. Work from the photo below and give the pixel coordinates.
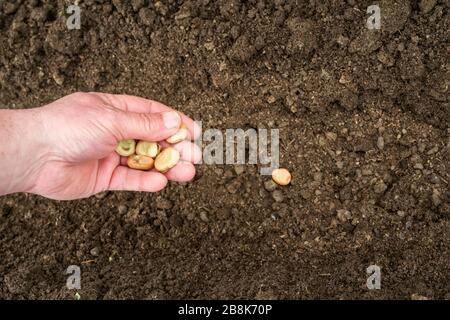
(126, 147)
(181, 135)
(147, 148)
(281, 176)
(140, 162)
(167, 159)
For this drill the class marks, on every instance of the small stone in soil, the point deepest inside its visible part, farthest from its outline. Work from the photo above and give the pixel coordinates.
(433, 150)
(137, 4)
(380, 143)
(271, 99)
(436, 199)
(318, 176)
(434, 178)
(233, 186)
(270, 185)
(95, 251)
(163, 204)
(123, 209)
(190, 216)
(331, 136)
(380, 187)
(176, 220)
(239, 169)
(275, 216)
(343, 215)
(277, 195)
(203, 217)
(418, 166)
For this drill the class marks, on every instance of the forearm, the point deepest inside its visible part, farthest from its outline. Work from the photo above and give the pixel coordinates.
(19, 132)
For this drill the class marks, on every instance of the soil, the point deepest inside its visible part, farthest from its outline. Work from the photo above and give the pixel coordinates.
(364, 119)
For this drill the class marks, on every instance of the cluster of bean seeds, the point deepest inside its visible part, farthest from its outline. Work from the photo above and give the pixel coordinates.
(146, 155)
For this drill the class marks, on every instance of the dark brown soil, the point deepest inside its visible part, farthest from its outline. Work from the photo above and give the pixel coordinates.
(364, 120)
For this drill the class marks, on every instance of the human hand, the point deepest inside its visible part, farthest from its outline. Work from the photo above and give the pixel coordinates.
(68, 149)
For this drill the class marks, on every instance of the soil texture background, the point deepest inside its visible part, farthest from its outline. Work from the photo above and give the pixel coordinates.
(364, 119)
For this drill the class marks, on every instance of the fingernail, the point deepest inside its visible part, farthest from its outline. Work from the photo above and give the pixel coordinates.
(171, 120)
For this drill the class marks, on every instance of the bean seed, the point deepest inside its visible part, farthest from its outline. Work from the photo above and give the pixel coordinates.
(281, 176)
(147, 148)
(126, 147)
(140, 162)
(167, 159)
(181, 135)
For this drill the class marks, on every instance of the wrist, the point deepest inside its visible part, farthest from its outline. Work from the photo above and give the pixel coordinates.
(22, 153)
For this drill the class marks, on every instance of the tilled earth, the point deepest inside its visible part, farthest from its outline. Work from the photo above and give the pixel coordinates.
(364, 119)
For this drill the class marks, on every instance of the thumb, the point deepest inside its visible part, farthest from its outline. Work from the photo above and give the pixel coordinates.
(149, 126)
